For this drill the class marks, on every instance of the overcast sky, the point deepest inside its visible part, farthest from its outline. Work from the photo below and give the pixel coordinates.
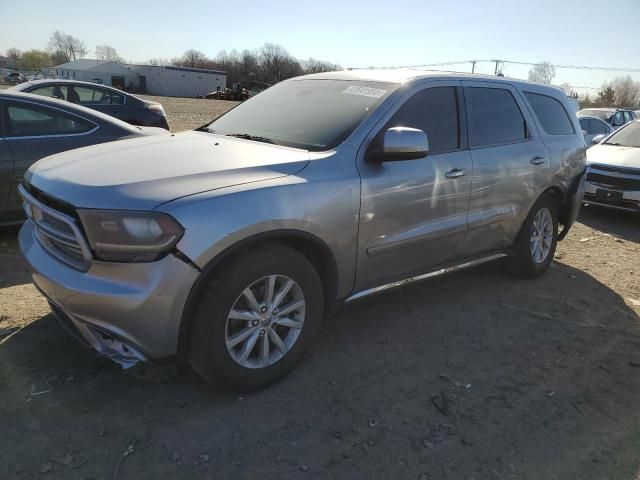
(352, 33)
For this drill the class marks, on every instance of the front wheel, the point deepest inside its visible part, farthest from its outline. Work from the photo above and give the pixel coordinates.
(256, 318)
(536, 244)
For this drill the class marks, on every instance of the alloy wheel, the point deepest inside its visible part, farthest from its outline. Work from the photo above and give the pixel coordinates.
(265, 321)
(541, 235)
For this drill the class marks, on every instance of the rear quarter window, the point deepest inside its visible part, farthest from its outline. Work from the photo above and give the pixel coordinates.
(551, 114)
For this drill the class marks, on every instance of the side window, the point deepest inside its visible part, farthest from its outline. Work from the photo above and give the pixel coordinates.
(628, 117)
(597, 127)
(85, 95)
(494, 117)
(551, 114)
(618, 119)
(25, 120)
(585, 125)
(434, 111)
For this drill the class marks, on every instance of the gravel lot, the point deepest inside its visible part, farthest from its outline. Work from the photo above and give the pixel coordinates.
(474, 375)
(190, 113)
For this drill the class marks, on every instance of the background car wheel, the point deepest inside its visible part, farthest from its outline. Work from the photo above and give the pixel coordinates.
(536, 244)
(255, 318)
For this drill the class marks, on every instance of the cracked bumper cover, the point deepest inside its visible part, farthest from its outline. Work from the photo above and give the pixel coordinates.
(125, 311)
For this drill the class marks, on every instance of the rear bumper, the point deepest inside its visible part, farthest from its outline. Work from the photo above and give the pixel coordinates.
(630, 198)
(119, 309)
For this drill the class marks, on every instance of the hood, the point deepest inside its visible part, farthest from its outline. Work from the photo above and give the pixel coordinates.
(144, 172)
(613, 155)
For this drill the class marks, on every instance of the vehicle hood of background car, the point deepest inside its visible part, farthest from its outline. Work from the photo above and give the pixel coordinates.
(142, 173)
(614, 155)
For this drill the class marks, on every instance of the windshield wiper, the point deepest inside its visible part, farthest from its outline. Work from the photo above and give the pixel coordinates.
(615, 144)
(247, 136)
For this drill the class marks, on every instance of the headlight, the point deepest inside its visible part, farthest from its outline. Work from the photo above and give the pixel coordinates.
(128, 236)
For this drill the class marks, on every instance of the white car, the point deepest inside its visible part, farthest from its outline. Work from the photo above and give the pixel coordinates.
(613, 170)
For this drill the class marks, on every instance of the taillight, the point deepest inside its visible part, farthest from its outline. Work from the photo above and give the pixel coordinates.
(157, 108)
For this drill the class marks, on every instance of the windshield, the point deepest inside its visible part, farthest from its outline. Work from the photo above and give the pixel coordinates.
(601, 114)
(311, 114)
(628, 136)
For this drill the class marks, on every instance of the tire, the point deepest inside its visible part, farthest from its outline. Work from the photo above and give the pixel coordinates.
(531, 259)
(213, 331)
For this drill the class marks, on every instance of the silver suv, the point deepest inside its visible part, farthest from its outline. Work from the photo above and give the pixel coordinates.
(226, 245)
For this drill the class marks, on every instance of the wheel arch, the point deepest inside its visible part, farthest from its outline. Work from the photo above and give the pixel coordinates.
(309, 245)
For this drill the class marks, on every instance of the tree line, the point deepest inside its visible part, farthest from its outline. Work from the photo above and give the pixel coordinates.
(619, 92)
(264, 66)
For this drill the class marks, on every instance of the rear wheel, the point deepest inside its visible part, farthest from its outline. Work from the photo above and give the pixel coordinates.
(256, 317)
(536, 244)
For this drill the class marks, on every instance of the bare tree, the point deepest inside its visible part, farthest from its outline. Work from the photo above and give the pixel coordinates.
(543, 73)
(192, 58)
(606, 96)
(318, 66)
(67, 46)
(107, 53)
(627, 92)
(14, 54)
(277, 63)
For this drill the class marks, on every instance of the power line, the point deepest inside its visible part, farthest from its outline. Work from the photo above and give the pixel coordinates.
(513, 62)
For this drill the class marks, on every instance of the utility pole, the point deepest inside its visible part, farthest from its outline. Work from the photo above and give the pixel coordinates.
(495, 71)
(473, 66)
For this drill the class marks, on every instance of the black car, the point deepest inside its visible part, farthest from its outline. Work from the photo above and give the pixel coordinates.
(34, 127)
(111, 101)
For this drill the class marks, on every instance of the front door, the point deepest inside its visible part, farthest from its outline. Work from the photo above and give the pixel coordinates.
(510, 163)
(413, 213)
(34, 131)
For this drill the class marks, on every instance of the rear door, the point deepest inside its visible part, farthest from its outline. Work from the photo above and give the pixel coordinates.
(414, 212)
(109, 102)
(510, 165)
(34, 131)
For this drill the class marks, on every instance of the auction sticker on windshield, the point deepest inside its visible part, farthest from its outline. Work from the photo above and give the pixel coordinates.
(364, 91)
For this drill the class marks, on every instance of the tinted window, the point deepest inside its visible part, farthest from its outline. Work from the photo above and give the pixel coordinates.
(602, 114)
(310, 114)
(31, 120)
(551, 114)
(597, 127)
(494, 117)
(53, 91)
(618, 119)
(584, 125)
(434, 111)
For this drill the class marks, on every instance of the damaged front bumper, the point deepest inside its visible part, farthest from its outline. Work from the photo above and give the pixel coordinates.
(126, 311)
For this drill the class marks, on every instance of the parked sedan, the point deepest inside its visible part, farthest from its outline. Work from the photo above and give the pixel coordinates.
(593, 127)
(35, 127)
(613, 170)
(111, 101)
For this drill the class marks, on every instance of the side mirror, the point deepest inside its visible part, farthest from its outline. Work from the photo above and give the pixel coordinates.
(598, 138)
(402, 143)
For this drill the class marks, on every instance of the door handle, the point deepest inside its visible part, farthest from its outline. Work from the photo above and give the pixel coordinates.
(456, 173)
(538, 160)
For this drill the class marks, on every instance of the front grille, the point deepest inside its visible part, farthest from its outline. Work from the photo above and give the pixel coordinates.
(620, 178)
(56, 231)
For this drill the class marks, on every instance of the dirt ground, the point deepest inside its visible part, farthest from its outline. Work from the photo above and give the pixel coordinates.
(471, 376)
(190, 113)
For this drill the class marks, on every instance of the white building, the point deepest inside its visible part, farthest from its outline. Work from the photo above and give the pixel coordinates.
(178, 81)
(105, 73)
(154, 80)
